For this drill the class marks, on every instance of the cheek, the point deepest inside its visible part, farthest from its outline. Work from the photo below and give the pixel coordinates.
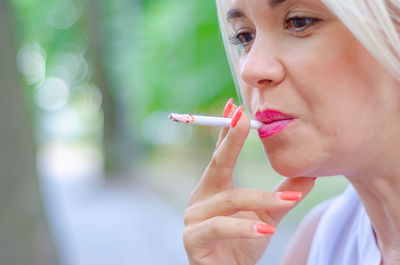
(338, 83)
(345, 102)
(342, 97)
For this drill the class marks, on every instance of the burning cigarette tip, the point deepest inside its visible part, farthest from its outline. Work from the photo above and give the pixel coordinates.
(181, 118)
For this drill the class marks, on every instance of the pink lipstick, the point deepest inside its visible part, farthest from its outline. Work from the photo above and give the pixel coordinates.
(272, 121)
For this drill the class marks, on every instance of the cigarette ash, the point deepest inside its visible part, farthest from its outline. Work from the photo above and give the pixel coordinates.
(181, 118)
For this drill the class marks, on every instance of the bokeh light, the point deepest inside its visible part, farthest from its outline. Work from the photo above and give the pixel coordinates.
(53, 94)
(71, 67)
(62, 14)
(31, 61)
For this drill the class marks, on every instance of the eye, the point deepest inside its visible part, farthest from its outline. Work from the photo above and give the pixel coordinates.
(243, 38)
(300, 24)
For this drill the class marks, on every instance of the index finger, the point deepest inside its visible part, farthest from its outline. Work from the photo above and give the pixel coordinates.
(218, 175)
(225, 130)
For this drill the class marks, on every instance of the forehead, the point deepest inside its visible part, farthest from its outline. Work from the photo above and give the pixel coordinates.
(235, 8)
(269, 3)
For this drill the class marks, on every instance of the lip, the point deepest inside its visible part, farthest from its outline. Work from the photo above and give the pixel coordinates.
(273, 122)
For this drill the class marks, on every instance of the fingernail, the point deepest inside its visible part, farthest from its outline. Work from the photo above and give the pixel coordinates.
(228, 108)
(264, 228)
(315, 178)
(236, 116)
(290, 195)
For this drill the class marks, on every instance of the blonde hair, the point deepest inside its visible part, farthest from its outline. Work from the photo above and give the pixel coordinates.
(232, 52)
(375, 23)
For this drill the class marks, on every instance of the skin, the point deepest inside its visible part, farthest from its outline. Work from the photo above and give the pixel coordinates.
(346, 108)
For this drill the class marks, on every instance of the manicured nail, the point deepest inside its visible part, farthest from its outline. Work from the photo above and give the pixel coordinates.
(264, 229)
(315, 178)
(236, 116)
(290, 195)
(228, 108)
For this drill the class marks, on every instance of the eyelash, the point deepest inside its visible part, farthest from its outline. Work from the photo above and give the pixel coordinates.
(311, 22)
(235, 38)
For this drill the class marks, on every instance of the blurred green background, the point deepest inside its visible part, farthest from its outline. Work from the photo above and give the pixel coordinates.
(92, 170)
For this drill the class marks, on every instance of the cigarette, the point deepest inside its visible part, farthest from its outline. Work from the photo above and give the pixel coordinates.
(207, 120)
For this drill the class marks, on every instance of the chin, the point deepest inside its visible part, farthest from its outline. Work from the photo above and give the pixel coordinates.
(293, 157)
(300, 166)
(290, 170)
(296, 165)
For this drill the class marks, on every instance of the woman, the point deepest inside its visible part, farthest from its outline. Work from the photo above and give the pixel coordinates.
(323, 77)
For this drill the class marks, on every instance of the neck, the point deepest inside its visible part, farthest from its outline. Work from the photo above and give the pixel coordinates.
(380, 195)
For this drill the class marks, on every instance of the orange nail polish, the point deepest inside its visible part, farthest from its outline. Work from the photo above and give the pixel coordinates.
(236, 116)
(264, 229)
(290, 195)
(228, 108)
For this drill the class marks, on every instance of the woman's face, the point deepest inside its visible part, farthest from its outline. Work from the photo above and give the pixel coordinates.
(299, 62)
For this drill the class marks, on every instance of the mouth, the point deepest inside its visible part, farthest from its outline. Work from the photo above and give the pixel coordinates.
(273, 122)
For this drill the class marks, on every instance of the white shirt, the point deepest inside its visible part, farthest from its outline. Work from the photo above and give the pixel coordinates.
(344, 235)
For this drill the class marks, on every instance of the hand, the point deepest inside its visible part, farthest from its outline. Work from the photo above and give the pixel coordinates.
(227, 225)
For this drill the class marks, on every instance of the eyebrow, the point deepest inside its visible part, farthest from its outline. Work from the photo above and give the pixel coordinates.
(234, 13)
(275, 3)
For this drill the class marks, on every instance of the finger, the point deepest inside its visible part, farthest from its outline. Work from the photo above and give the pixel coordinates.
(231, 201)
(300, 184)
(218, 174)
(207, 233)
(229, 110)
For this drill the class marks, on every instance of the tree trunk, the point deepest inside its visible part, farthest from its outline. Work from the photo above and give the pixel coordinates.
(116, 139)
(24, 234)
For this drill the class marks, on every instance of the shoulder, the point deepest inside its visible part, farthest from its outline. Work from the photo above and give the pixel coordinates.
(299, 247)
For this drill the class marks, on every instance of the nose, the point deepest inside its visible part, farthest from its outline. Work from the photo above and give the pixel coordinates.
(261, 67)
